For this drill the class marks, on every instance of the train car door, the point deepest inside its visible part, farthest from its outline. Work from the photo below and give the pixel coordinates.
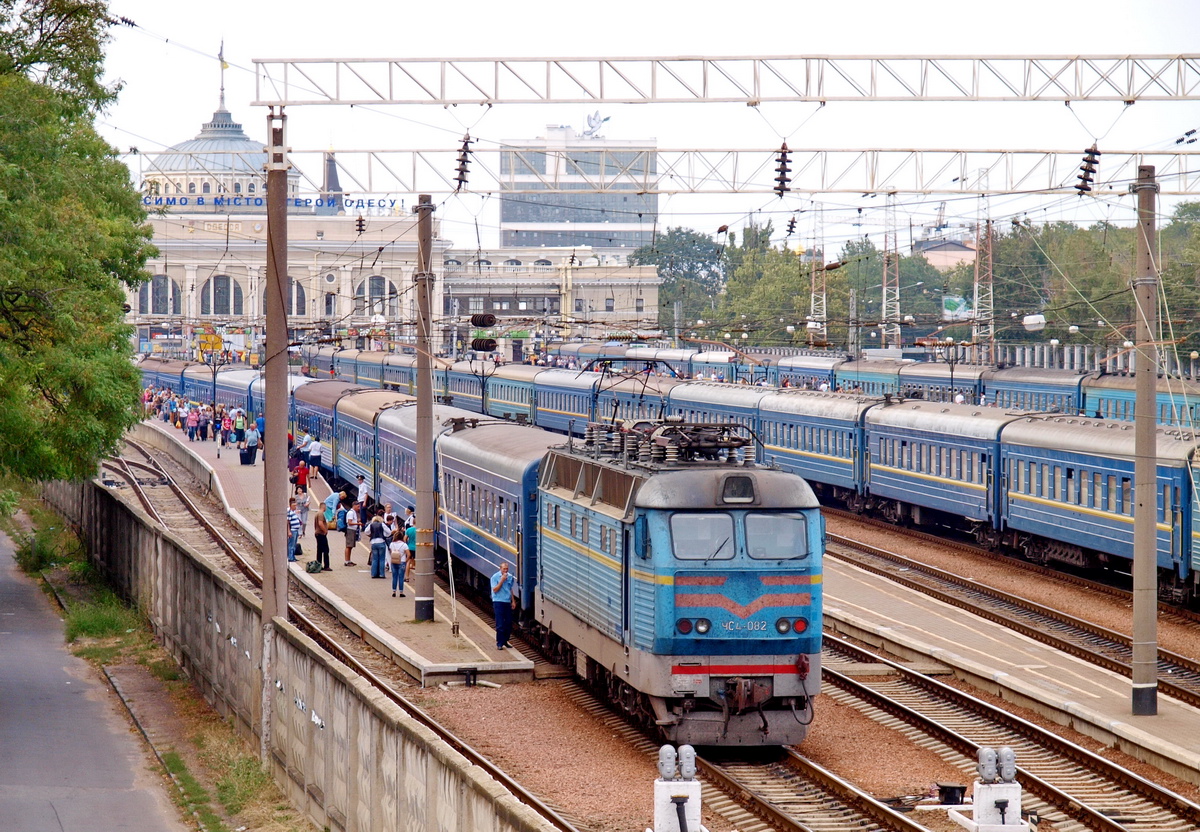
(626, 583)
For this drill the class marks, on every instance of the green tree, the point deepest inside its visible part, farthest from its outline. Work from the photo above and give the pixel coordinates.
(60, 45)
(72, 238)
(691, 269)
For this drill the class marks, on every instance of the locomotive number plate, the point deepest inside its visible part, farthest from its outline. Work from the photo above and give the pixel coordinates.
(750, 626)
(681, 681)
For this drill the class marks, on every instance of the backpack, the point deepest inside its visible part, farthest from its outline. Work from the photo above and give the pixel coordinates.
(341, 520)
(313, 566)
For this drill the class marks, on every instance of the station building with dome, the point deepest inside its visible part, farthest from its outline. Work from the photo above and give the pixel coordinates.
(206, 199)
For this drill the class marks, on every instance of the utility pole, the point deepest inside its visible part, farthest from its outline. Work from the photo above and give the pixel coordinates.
(1145, 484)
(855, 327)
(426, 516)
(275, 484)
(678, 308)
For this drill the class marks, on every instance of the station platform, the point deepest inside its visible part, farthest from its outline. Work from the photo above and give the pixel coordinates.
(1060, 687)
(430, 651)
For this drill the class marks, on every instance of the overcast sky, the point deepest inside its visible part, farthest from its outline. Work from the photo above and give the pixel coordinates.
(171, 75)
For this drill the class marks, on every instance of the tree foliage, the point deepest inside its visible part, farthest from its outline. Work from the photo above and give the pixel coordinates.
(691, 269)
(72, 237)
(1074, 276)
(60, 45)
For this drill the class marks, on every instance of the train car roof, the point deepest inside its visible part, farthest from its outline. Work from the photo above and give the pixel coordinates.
(398, 359)
(324, 392)
(966, 420)
(346, 355)
(371, 357)
(940, 370)
(403, 420)
(502, 448)
(1163, 386)
(660, 354)
(198, 370)
(847, 407)
(1038, 375)
(810, 362)
(570, 379)
(166, 365)
(590, 350)
(241, 378)
(875, 365)
(701, 487)
(518, 372)
(1097, 436)
(715, 357)
(640, 383)
(259, 385)
(365, 404)
(733, 395)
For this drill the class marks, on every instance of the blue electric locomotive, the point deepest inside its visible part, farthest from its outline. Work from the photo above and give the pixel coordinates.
(686, 585)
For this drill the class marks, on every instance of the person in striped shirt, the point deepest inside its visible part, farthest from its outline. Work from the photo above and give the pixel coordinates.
(293, 518)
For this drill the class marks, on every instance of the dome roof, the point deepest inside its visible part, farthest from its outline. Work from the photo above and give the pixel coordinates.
(221, 146)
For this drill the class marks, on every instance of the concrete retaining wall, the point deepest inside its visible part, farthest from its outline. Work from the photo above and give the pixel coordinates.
(342, 752)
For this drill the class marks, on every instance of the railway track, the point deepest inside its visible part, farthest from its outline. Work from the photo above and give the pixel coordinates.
(788, 794)
(1178, 676)
(1063, 782)
(170, 505)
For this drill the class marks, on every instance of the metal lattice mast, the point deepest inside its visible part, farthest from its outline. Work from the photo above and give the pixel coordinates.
(983, 331)
(818, 333)
(891, 278)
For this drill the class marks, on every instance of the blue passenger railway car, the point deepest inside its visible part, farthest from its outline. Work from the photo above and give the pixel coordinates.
(1035, 389)
(684, 584)
(1069, 495)
(1176, 401)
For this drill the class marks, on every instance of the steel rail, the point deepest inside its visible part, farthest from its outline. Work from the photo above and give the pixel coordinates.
(313, 631)
(1169, 664)
(1126, 779)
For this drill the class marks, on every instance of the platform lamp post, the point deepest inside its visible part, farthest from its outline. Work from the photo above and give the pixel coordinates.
(215, 360)
(950, 353)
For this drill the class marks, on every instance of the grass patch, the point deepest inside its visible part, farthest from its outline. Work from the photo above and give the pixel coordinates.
(195, 797)
(165, 669)
(99, 653)
(243, 783)
(105, 616)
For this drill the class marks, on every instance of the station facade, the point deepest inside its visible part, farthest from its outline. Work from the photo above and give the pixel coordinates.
(350, 266)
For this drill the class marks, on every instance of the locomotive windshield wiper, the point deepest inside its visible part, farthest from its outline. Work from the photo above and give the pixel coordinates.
(718, 551)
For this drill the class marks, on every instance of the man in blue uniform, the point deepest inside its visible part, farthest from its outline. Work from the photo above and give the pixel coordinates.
(502, 605)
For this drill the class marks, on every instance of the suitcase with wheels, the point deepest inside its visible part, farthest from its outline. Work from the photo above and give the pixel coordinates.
(247, 456)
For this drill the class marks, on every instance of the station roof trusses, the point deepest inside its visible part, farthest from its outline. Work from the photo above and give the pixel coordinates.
(745, 80)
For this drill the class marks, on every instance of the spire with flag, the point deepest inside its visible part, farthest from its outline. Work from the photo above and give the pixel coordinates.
(224, 66)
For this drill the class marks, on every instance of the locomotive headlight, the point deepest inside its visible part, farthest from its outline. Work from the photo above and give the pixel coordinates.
(800, 626)
(703, 625)
(783, 625)
(684, 626)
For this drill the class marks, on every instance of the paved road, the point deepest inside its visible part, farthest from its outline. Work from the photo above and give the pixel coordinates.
(68, 760)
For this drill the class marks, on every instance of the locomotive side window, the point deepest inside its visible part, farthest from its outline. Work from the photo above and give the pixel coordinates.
(777, 536)
(702, 536)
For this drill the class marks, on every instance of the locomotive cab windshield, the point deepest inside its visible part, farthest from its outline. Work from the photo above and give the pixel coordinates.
(712, 536)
